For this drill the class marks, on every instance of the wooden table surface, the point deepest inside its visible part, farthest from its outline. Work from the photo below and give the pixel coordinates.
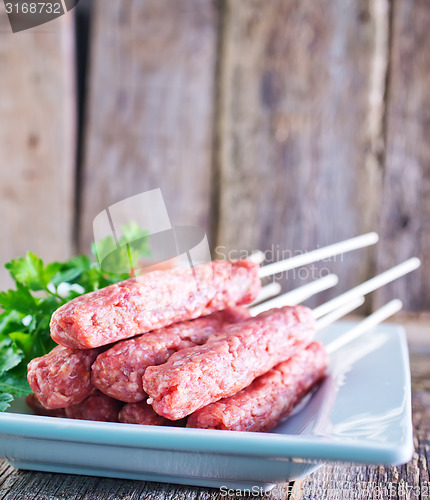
(332, 481)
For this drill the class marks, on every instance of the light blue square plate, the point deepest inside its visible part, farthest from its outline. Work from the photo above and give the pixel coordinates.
(360, 413)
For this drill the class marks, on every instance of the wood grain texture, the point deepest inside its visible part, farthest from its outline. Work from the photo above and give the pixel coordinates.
(17, 485)
(150, 107)
(293, 131)
(405, 201)
(37, 139)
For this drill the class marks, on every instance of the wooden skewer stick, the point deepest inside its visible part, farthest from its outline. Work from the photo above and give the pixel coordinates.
(374, 319)
(321, 253)
(266, 292)
(338, 313)
(368, 286)
(298, 295)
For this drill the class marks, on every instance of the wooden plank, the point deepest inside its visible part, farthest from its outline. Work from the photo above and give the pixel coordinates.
(37, 140)
(150, 107)
(16, 484)
(297, 131)
(405, 206)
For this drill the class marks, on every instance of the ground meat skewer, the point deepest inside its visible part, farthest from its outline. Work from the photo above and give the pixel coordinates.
(63, 373)
(270, 398)
(143, 414)
(62, 377)
(152, 301)
(98, 407)
(118, 371)
(229, 361)
(38, 408)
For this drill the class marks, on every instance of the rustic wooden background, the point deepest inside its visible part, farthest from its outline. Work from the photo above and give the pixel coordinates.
(273, 124)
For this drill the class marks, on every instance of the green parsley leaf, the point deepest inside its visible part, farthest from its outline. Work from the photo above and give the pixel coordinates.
(10, 355)
(15, 383)
(40, 290)
(28, 271)
(124, 255)
(5, 399)
(19, 300)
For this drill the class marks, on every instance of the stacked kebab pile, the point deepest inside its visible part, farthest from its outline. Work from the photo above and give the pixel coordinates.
(177, 347)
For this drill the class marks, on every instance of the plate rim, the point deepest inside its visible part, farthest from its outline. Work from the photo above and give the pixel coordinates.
(218, 442)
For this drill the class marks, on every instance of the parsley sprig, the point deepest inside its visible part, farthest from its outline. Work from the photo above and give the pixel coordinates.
(41, 288)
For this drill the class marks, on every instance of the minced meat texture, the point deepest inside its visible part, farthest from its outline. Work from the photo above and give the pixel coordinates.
(143, 414)
(32, 401)
(118, 371)
(152, 301)
(270, 398)
(61, 378)
(229, 361)
(97, 407)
